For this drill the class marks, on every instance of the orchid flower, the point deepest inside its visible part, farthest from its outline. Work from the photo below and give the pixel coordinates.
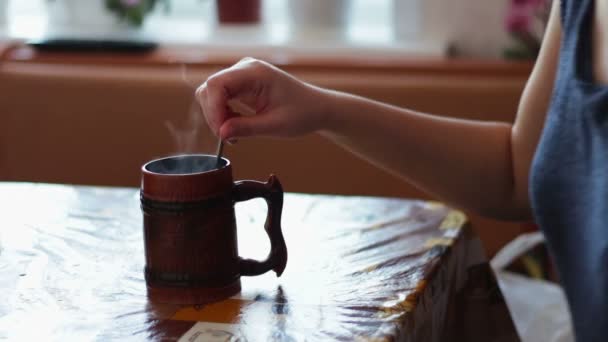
(521, 21)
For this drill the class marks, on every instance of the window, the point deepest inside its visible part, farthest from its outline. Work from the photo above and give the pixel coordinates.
(369, 24)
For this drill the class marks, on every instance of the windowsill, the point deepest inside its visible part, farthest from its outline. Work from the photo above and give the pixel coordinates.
(366, 36)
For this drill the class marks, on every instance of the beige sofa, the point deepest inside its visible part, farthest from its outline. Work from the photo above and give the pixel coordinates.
(95, 121)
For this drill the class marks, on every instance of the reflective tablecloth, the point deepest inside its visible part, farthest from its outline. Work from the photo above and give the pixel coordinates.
(359, 269)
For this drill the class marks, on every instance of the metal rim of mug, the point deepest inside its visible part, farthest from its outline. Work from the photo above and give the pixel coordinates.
(145, 169)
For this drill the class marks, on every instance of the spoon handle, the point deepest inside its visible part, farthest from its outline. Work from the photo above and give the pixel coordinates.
(220, 150)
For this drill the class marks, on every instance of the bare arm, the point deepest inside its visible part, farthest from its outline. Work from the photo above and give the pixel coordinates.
(479, 166)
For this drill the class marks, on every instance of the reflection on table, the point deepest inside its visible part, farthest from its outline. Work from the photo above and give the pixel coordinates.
(360, 268)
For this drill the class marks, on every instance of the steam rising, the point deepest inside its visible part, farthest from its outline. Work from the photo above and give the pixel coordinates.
(187, 139)
(193, 137)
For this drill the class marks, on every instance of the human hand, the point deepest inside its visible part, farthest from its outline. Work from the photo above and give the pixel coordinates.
(255, 98)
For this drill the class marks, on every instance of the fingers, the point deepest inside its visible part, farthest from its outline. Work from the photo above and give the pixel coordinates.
(247, 126)
(213, 104)
(201, 97)
(214, 95)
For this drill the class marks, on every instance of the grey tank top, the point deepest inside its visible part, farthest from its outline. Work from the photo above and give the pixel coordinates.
(569, 176)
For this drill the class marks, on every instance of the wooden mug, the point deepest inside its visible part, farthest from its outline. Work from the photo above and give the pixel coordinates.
(190, 229)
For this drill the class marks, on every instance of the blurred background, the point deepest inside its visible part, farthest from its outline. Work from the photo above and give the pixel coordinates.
(94, 117)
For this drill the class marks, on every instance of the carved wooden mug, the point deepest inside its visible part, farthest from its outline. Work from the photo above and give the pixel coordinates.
(190, 229)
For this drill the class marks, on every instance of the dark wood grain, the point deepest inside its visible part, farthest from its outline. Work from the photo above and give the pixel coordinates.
(190, 229)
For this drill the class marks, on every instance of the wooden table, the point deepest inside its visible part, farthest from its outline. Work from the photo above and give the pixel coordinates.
(368, 269)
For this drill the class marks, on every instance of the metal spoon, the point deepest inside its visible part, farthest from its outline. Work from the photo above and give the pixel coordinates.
(220, 150)
(238, 107)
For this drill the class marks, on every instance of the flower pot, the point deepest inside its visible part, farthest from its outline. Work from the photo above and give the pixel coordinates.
(468, 27)
(238, 11)
(407, 16)
(319, 15)
(3, 12)
(85, 14)
(424, 19)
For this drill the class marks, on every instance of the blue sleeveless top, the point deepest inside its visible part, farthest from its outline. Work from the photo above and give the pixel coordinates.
(569, 176)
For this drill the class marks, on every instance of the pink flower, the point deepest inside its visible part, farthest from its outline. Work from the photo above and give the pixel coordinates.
(518, 21)
(522, 13)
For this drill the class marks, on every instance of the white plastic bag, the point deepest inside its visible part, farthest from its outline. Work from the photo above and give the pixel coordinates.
(539, 308)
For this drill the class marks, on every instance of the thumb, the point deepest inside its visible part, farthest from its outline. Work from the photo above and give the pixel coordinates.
(248, 126)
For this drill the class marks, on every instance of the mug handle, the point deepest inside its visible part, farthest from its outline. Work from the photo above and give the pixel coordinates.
(272, 192)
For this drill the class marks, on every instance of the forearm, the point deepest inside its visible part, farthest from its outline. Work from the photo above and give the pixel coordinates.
(465, 163)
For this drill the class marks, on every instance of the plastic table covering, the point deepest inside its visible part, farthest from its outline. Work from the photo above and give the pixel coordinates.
(359, 269)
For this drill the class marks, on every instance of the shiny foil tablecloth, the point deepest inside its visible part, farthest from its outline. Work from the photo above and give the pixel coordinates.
(359, 269)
